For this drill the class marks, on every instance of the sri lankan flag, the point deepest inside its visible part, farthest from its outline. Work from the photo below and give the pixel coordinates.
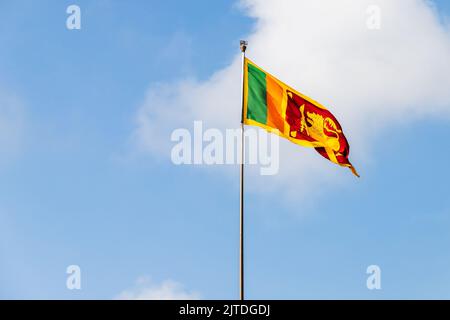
(276, 107)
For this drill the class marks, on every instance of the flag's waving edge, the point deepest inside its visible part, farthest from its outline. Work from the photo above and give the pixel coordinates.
(278, 108)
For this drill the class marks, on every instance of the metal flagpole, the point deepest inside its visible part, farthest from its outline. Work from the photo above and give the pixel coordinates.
(243, 45)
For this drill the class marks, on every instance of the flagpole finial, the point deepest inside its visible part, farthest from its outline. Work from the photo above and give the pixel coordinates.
(244, 45)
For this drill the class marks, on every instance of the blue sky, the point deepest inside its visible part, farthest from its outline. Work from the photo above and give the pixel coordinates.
(70, 192)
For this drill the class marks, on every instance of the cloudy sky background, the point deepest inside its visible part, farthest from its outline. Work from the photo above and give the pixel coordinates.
(86, 176)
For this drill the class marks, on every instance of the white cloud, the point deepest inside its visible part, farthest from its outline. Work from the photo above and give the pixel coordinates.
(167, 290)
(370, 79)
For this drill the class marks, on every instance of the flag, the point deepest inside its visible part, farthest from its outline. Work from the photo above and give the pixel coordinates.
(278, 108)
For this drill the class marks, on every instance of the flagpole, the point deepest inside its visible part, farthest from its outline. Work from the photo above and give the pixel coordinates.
(243, 45)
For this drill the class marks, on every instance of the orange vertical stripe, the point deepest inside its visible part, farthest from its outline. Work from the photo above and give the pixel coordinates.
(274, 104)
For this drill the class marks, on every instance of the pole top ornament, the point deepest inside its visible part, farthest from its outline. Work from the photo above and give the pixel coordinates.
(243, 45)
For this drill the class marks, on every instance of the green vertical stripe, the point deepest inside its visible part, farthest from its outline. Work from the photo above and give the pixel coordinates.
(257, 95)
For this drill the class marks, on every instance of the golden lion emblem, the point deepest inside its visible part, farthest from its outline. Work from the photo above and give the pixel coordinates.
(317, 127)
